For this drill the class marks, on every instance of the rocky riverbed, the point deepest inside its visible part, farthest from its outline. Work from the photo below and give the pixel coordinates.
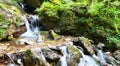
(58, 33)
(65, 51)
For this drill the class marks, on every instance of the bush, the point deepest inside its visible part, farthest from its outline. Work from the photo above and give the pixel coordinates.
(99, 20)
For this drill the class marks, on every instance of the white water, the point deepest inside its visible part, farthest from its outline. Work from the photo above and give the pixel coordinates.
(22, 5)
(87, 60)
(32, 35)
(32, 27)
(63, 58)
(101, 56)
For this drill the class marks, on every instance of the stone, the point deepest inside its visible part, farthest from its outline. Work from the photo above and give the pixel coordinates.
(10, 19)
(50, 55)
(86, 45)
(53, 35)
(74, 55)
(34, 58)
(111, 60)
(116, 54)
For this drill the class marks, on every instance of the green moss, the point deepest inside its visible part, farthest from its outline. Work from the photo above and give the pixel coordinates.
(74, 54)
(73, 49)
(3, 26)
(53, 35)
(13, 11)
(9, 15)
(29, 59)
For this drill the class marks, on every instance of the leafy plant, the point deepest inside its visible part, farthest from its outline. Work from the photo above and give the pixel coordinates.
(96, 19)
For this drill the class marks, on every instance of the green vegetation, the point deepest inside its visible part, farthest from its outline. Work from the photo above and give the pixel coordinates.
(2, 26)
(99, 20)
(10, 14)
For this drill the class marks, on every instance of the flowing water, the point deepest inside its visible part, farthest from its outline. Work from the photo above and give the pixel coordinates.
(32, 35)
(32, 26)
(102, 57)
(22, 5)
(87, 60)
(63, 58)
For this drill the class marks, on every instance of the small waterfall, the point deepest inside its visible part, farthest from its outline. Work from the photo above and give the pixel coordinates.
(102, 57)
(87, 60)
(63, 58)
(32, 26)
(22, 5)
(32, 34)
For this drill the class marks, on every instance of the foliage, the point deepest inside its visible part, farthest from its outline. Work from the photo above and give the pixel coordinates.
(99, 20)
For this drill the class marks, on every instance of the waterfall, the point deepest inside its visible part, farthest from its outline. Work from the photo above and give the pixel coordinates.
(22, 5)
(32, 34)
(63, 58)
(32, 26)
(87, 60)
(102, 57)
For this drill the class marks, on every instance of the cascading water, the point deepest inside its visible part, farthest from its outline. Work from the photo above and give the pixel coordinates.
(63, 58)
(102, 57)
(22, 5)
(32, 26)
(32, 35)
(87, 60)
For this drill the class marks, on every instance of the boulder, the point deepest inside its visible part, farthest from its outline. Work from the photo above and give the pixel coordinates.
(34, 57)
(50, 55)
(86, 45)
(111, 60)
(10, 18)
(53, 35)
(116, 54)
(74, 56)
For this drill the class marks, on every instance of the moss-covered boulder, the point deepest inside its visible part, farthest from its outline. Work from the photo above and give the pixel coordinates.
(74, 56)
(53, 35)
(50, 55)
(10, 17)
(34, 58)
(86, 44)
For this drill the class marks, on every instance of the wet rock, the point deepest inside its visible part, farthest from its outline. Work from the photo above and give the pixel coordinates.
(53, 35)
(11, 64)
(56, 49)
(21, 29)
(58, 63)
(111, 60)
(100, 45)
(50, 55)
(34, 58)
(29, 59)
(73, 56)
(86, 45)
(17, 56)
(116, 54)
